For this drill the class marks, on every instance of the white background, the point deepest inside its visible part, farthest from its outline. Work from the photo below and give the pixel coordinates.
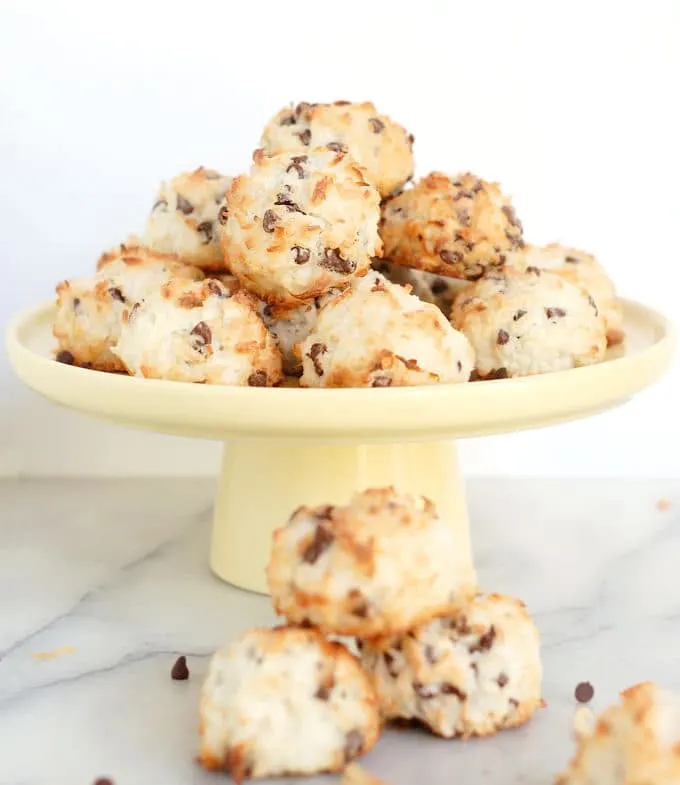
(570, 105)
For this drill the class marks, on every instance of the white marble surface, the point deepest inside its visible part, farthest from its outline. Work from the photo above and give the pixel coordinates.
(115, 571)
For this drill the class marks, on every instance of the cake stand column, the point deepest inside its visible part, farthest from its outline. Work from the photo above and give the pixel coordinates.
(263, 481)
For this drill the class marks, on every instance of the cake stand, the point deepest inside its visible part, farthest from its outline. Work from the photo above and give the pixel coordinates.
(289, 446)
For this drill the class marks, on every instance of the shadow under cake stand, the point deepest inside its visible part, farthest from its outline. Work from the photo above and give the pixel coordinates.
(289, 446)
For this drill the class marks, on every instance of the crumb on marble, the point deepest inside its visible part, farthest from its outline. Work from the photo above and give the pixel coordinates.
(52, 655)
(356, 775)
(584, 722)
(663, 505)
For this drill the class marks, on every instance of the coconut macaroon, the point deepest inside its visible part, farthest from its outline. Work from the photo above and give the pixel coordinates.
(470, 673)
(378, 565)
(378, 144)
(376, 334)
(199, 332)
(183, 219)
(92, 309)
(452, 226)
(635, 741)
(299, 225)
(527, 322)
(579, 268)
(285, 702)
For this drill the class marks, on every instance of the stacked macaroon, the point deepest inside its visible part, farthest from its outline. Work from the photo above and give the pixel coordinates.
(322, 263)
(383, 570)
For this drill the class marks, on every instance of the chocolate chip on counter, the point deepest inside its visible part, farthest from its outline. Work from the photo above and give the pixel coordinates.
(206, 229)
(336, 147)
(184, 205)
(377, 125)
(323, 537)
(555, 313)
(300, 254)
(485, 642)
(502, 338)
(203, 333)
(315, 351)
(451, 689)
(450, 257)
(519, 314)
(65, 357)
(103, 781)
(223, 214)
(439, 286)
(269, 221)
(116, 294)
(354, 744)
(160, 203)
(502, 680)
(572, 260)
(382, 381)
(297, 161)
(584, 692)
(333, 261)
(257, 379)
(180, 671)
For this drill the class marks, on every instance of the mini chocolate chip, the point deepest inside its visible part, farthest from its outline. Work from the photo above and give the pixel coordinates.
(382, 381)
(533, 270)
(203, 333)
(391, 664)
(257, 379)
(593, 304)
(459, 365)
(426, 691)
(474, 668)
(116, 294)
(572, 260)
(519, 242)
(336, 147)
(300, 254)
(477, 187)
(464, 217)
(325, 513)
(297, 161)
(323, 693)
(518, 314)
(184, 205)
(439, 286)
(133, 311)
(305, 136)
(269, 221)
(288, 120)
(376, 124)
(513, 702)
(474, 272)
(216, 288)
(502, 680)
(284, 200)
(323, 537)
(451, 689)
(206, 229)
(223, 214)
(485, 642)
(450, 257)
(160, 203)
(410, 139)
(333, 261)
(464, 193)
(315, 351)
(555, 313)
(76, 303)
(502, 338)
(584, 692)
(354, 744)
(430, 654)
(509, 213)
(180, 671)
(64, 356)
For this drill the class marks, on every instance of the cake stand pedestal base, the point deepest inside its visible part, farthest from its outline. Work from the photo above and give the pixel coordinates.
(263, 481)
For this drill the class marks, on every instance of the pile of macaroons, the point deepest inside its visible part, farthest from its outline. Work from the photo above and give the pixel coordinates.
(384, 575)
(327, 263)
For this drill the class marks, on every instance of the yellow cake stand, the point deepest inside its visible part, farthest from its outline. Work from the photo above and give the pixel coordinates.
(290, 446)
